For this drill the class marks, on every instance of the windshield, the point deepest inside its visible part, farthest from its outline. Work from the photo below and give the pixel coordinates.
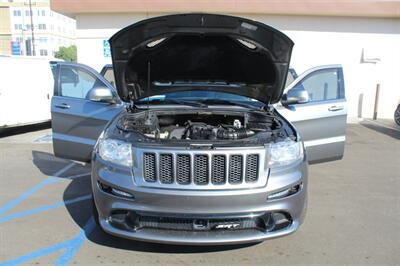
(202, 96)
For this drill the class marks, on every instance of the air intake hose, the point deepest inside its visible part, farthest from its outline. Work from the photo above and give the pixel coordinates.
(236, 134)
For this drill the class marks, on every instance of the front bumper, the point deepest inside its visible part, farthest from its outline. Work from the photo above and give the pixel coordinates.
(189, 203)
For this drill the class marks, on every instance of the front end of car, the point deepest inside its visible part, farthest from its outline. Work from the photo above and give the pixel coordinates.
(199, 196)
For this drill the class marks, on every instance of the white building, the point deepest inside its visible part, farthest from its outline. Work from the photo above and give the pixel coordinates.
(51, 29)
(363, 36)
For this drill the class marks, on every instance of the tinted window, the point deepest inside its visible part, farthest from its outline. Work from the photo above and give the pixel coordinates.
(109, 76)
(321, 85)
(76, 82)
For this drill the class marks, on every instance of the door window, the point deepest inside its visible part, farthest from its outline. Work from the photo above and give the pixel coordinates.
(76, 82)
(322, 85)
(109, 76)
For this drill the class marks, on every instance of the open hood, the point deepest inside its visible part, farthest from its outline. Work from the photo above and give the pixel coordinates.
(200, 52)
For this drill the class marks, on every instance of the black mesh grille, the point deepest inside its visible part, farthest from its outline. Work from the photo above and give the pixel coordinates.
(166, 169)
(183, 169)
(252, 168)
(149, 167)
(218, 169)
(198, 172)
(201, 169)
(187, 224)
(235, 169)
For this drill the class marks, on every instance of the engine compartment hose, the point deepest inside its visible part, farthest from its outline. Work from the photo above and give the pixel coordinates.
(237, 134)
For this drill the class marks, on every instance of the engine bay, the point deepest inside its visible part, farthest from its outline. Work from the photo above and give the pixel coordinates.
(200, 125)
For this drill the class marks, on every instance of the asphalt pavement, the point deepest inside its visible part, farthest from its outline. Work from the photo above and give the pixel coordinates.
(353, 215)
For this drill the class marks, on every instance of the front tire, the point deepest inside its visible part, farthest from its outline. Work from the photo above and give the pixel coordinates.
(397, 115)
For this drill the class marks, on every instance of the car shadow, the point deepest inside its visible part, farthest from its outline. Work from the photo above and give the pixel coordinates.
(382, 129)
(81, 211)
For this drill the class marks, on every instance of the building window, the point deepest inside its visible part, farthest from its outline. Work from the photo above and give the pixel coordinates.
(43, 52)
(42, 26)
(17, 13)
(28, 26)
(18, 39)
(27, 13)
(43, 13)
(18, 26)
(42, 39)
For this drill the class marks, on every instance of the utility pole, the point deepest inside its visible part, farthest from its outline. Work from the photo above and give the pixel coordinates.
(32, 29)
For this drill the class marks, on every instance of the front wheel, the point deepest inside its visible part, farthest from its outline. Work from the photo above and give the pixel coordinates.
(397, 115)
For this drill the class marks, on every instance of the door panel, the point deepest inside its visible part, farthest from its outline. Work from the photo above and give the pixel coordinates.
(76, 121)
(322, 121)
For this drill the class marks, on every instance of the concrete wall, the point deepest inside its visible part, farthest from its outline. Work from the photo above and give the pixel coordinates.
(318, 41)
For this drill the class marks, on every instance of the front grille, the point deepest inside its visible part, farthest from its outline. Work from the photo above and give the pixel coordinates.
(200, 169)
(252, 168)
(235, 169)
(218, 172)
(166, 172)
(183, 169)
(188, 224)
(149, 167)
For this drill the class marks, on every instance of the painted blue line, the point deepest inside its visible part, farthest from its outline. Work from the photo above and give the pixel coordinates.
(8, 206)
(38, 253)
(66, 257)
(43, 208)
(72, 247)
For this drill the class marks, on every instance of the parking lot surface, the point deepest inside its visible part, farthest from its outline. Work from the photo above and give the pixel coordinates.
(353, 212)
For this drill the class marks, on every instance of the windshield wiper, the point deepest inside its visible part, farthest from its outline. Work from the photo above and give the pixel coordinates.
(228, 102)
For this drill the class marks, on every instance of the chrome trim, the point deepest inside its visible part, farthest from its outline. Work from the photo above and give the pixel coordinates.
(227, 152)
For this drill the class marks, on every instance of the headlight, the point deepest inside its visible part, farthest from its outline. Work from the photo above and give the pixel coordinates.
(115, 151)
(285, 152)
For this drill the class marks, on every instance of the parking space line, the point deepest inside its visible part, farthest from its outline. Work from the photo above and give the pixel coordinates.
(43, 208)
(72, 246)
(65, 258)
(8, 206)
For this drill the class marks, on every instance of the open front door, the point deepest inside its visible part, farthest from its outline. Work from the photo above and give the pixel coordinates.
(322, 120)
(77, 121)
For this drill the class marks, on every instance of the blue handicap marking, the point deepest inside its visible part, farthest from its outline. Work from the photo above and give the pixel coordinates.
(69, 247)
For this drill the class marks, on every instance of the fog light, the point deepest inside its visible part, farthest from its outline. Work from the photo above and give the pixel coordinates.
(281, 221)
(286, 192)
(114, 191)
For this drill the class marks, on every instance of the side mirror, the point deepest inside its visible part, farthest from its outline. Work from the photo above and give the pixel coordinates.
(295, 96)
(101, 94)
